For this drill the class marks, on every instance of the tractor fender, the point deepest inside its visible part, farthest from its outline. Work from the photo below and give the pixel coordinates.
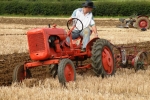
(89, 46)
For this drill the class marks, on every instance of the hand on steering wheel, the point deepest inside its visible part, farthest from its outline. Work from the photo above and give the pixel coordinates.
(75, 22)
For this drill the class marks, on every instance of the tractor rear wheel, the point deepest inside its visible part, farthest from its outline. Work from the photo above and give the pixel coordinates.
(66, 71)
(142, 22)
(19, 73)
(103, 61)
(53, 70)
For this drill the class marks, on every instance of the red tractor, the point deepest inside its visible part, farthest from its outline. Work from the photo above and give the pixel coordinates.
(48, 46)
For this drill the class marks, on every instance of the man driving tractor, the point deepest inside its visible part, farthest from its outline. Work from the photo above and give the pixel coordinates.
(85, 15)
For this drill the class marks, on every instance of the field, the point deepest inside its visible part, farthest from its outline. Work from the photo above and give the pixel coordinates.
(125, 85)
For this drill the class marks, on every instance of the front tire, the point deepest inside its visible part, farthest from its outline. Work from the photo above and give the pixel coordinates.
(19, 73)
(66, 71)
(103, 61)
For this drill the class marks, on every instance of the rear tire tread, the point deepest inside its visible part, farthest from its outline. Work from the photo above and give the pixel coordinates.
(96, 59)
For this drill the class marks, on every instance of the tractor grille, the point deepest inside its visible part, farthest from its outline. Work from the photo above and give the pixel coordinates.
(36, 42)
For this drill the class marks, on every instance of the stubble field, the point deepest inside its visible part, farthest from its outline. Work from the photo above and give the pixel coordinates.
(125, 85)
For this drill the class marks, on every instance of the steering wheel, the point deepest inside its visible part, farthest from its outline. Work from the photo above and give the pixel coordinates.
(75, 22)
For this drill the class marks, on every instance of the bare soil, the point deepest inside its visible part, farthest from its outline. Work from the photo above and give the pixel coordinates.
(9, 61)
(58, 21)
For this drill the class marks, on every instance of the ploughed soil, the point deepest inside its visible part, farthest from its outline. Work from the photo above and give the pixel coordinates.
(9, 61)
(58, 21)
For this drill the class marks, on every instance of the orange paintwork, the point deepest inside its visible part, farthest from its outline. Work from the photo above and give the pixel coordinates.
(38, 42)
(41, 51)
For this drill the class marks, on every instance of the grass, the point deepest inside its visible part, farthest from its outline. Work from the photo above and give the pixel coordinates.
(33, 16)
(42, 16)
(125, 85)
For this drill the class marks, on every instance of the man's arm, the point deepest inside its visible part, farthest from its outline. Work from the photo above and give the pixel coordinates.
(93, 26)
(94, 29)
(73, 16)
(70, 19)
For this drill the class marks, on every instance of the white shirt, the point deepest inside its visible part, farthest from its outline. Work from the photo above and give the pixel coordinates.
(87, 19)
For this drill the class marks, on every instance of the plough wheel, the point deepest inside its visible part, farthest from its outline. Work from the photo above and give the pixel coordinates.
(53, 70)
(103, 62)
(143, 22)
(141, 61)
(66, 71)
(19, 73)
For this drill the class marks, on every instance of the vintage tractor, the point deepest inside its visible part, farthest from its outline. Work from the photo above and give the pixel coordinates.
(48, 46)
(139, 22)
(127, 59)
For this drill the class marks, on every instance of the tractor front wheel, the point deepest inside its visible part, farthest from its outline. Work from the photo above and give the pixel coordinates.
(103, 61)
(19, 73)
(66, 71)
